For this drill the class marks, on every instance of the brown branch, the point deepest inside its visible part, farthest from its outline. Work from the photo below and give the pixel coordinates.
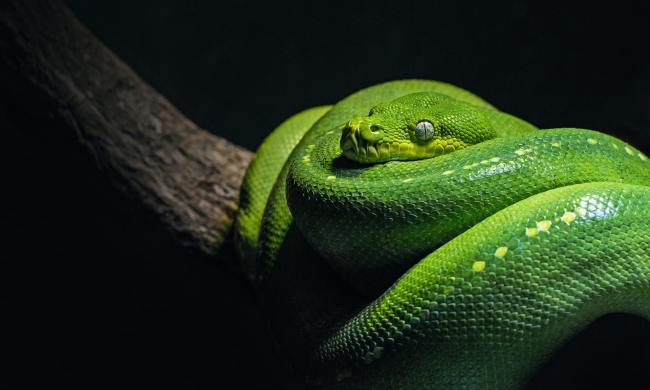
(186, 176)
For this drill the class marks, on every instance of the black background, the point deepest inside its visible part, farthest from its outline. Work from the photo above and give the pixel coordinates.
(106, 296)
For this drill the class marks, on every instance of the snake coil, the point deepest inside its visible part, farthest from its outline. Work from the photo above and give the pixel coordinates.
(464, 270)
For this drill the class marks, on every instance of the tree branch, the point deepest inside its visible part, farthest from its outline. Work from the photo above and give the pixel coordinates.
(189, 178)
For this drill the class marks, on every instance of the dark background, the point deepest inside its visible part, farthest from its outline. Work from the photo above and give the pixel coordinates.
(106, 296)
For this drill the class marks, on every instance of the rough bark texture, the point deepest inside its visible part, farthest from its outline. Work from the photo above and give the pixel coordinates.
(185, 175)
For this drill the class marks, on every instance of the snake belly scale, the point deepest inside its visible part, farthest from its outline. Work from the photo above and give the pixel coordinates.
(481, 243)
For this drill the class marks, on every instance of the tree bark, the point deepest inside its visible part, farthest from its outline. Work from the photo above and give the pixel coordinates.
(188, 177)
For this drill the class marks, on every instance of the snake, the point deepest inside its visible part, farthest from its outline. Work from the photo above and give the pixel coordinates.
(465, 245)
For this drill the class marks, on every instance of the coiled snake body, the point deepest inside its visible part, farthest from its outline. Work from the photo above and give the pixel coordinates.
(481, 243)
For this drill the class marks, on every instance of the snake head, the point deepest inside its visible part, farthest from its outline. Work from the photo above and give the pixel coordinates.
(412, 127)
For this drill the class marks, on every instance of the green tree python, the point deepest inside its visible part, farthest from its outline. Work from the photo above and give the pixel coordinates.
(413, 236)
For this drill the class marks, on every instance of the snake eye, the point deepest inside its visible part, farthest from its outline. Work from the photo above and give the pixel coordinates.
(424, 130)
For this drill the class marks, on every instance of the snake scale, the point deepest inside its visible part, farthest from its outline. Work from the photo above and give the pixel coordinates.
(464, 244)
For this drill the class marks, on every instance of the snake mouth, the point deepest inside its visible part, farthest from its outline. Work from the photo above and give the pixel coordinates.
(357, 148)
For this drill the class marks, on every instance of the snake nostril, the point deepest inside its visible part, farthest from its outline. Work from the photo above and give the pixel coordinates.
(372, 133)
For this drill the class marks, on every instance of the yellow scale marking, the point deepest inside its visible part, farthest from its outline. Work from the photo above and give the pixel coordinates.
(407, 180)
(592, 141)
(568, 217)
(449, 172)
(544, 226)
(501, 251)
(531, 232)
(330, 178)
(478, 266)
(629, 151)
